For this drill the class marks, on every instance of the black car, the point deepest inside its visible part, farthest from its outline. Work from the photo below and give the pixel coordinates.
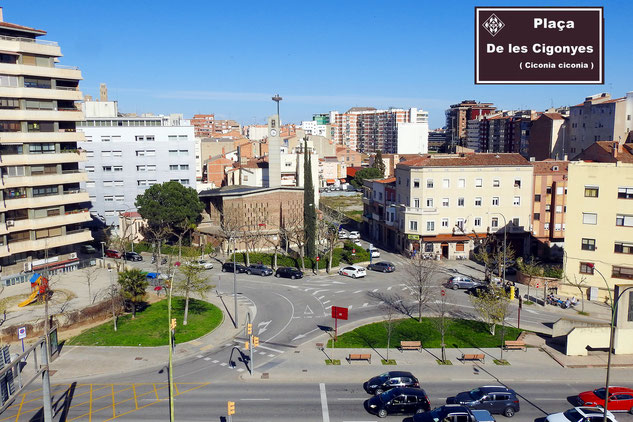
(484, 288)
(388, 380)
(404, 401)
(259, 269)
(384, 266)
(453, 413)
(493, 398)
(227, 267)
(132, 256)
(509, 270)
(88, 249)
(288, 272)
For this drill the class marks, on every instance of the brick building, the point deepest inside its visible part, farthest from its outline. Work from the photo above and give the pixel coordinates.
(549, 205)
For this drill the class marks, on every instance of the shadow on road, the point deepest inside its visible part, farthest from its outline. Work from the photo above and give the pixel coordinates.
(226, 308)
(62, 405)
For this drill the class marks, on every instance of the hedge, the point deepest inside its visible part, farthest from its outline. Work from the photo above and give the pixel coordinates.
(288, 261)
(361, 255)
(172, 249)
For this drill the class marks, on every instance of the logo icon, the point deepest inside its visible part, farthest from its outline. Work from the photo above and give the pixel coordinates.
(493, 25)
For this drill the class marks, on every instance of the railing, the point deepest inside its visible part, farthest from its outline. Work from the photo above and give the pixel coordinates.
(418, 210)
(67, 88)
(32, 40)
(61, 66)
(76, 231)
(76, 211)
(74, 191)
(71, 171)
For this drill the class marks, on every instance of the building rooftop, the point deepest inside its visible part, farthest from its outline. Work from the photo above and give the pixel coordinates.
(547, 166)
(607, 152)
(463, 160)
(239, 190)
(554, 116)
(21, 28)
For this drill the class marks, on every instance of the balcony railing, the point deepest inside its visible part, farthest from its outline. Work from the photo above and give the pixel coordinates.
(32, 40)
(61, 66)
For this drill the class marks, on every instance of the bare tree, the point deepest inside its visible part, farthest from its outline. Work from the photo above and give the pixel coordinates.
(115, 297)
(531, 268)
(194, 281)
(273, 239)
(442, 317)
(391, 323)
(503, 258)
(492, 306)
(90, 276)
(580, 285)
(230, 229)
(419, 280)
(293, 226)
(327, 228)
(484, 254)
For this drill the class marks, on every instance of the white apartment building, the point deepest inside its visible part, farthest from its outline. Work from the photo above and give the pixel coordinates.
(125, 155)
(443, 202)
(311, 127)
(43, 211)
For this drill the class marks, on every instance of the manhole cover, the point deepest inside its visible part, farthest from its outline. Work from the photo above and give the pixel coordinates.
(305, 370)
(138, 358)
(265, 376)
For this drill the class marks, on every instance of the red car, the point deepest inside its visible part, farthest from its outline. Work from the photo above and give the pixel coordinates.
(111, 253)
(620, 398)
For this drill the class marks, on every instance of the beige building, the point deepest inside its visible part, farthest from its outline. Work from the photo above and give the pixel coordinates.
(599, 235)
(42, 208)
(444, 201)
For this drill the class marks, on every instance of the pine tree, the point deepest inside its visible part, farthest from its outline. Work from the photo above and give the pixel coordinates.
(379, 164)
(309, 211)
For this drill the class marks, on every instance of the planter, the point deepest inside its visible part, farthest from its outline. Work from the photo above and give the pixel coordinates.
(541, 281)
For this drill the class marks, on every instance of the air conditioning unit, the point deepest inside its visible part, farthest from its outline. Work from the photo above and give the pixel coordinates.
(27, 267)
(73, 255)
(10, 223)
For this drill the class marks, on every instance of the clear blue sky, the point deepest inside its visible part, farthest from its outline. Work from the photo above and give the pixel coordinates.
(229, 58)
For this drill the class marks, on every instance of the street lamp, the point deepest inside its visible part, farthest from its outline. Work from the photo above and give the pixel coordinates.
(614, 309)
(171, 344)
(503, 279)
(103, 252)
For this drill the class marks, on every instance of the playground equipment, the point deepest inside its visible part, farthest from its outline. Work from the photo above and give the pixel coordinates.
(39, 284)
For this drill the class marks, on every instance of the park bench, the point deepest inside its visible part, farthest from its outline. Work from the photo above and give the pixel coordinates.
(411, 345)
(515, 345)
(359, 356)
(473, 356)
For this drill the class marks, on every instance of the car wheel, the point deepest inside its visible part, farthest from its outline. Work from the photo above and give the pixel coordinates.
(353, 275)
(262, 274)
(292, 277)
(277, 275)
(382, 413)
(631, 411)
(384, 271)
(509, 412)
(223, 269)
(249, 272)
(420, 411)
(378, 391)
(455, 287)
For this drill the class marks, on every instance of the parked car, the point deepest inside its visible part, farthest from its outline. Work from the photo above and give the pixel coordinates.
(342, 234)
(620, 398)
(375, 253)
(509, 270)
(383, 266)
(227, 267)
(87, 249)
(111, 253)
(203, 263)
(259, 269)
(403, 401)
(493, 398)
(453, 413)
(581, 414)
(288, 272)
(357, 242)
(132, 256)
(461, 282)
(353, 271)
(354, 235)
(388, 380)
(479, 289)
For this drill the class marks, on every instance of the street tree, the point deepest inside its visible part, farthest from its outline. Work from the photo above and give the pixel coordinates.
(492, 306)
(419, 280)
(133, 287)
(483, 254)
(503, 258)
(328, 227)
(442, 318)
(390, 323)
(90, 275)
(273, 239)
(194, 282)
(309, 205)
(365, 173)
(293, 228)
(581, 285)
(531, 268)
(113, 294)
(379, 163)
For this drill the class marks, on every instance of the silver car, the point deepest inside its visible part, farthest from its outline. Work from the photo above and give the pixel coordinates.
(461, 282)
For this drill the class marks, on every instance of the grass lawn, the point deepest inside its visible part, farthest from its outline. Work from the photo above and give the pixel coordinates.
(459, 333)
(150, 327)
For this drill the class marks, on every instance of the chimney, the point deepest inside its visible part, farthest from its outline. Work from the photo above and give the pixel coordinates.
(565, 157)
(616, 147)
(532, 159)
(1, 16)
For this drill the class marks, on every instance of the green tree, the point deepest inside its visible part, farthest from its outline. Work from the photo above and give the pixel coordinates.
(379, 164)
(133, 284)
(492, 306)
(309, 209)
(366, 173)
(194, 282)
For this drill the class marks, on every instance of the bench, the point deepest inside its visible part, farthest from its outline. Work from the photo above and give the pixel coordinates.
(359, 356)
(473, 356)
(411, 345)
(514, 345)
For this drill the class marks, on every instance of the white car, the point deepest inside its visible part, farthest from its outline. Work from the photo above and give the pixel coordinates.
(581, 414)
(343, 235)
(357, 242)
(354, 235)
(375, 253)
(353, 271)
(204, 264)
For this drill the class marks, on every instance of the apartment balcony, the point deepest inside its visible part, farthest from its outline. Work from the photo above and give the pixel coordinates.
(67, 176)
(420, 211)
(390, 223)
(38, 137)
(72, 197)
(61, 93)
(74, 156)
(11, 226)
(375, 216)
(57, 72)
(43, 115)
(366, 201)
(29, 45)
(71, 238)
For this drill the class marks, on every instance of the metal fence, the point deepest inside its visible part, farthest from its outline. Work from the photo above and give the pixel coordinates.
(68, 267)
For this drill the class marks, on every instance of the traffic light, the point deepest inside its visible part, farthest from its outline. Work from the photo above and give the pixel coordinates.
(249, 329)
(230, 408)
(255, 341)
(246, 345)
(173, 324)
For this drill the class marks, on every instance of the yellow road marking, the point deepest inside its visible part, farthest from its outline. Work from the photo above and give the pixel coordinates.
(113, 403)
(156, 391)
(176, 388)
(17, 417)
(90, 406)
(135, 399)
(207, 347)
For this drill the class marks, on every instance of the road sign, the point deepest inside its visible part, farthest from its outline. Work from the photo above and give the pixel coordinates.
(353, 251)
(339, 312)
(443, 292)
(318, 259)
(21, 333)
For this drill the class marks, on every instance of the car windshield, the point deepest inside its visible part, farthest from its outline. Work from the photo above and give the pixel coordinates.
(383, 377)
(599, 392)
(476, 394)
(388, 395)
(573, 415)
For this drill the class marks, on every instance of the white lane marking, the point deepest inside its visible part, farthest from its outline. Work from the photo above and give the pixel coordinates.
(350, 307)
(404, 288)
(531, 311)
(327, 301)
(303, 335)
(320, 297)
(289, 319)
(214, 361)
(324, 410)
(254, 399)
(365, 305)
(270, 355)
(207, 359)
(358, 291)
(340, 291)
(228, 344)
(328, 307)
(374, 291)
(240, 369)
(262, 353)
(199, 356)
(223, 364)
(350, 398)
(308, 311)
(390, 287)
(381, 302)
(270, 348)
(263, 326)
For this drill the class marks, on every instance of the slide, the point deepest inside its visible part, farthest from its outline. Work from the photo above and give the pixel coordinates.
(29, 300)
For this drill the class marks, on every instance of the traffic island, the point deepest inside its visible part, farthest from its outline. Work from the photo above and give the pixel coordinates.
(501, 362)
(443, 362)
(332, 361)
(388, 362)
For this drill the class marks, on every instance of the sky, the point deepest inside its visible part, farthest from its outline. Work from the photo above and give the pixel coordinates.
(230, 58)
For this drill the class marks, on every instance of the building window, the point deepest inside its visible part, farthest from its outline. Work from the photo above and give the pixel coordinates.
(537, 198)
(496, 183)
(625, 193)
(548, 207)
(416, 183)
(621, 247)
(460, 202)
(588, 244)
(557, 227)
(107, 168)
(138, 138)
(495, 201)
(429, 183)
(591, 191)
(117, 168)
(479, 183)
(494, 222)
(413, 226)
(416, 202)
(430, 226)
(477, 222)
(624, 220)
(478, 201)
(428, 247)
(446, 183)
(548, 190)
(586, 268)
(429, 202)
(445, 202)
(545, 226)
(175, 167)
(516, 200)
(461, 183)
(622, 272)
(590, 218)
(560, 190)
(460, 223)
(459, 247)
(516, 222)
(517, 183)
(559, 209)
(444, 222)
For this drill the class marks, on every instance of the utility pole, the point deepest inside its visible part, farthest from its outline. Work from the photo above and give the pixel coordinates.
(234, 284)
(172, 327)
(249, 333)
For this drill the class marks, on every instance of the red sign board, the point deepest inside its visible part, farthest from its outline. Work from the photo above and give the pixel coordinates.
(318, 259)
(339, 312)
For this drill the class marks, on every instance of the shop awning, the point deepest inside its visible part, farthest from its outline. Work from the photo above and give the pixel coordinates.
(452, 237)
